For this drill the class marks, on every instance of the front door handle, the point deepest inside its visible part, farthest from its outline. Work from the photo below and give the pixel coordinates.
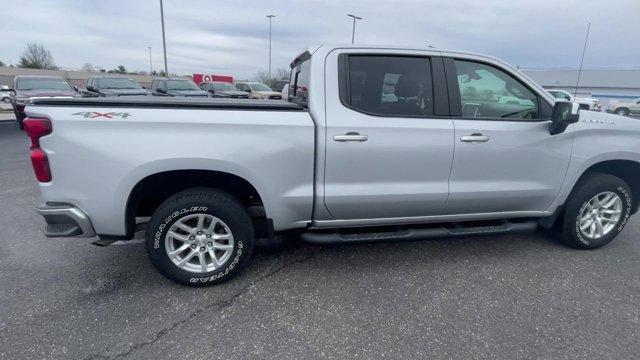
(350, 136)
(474, 138)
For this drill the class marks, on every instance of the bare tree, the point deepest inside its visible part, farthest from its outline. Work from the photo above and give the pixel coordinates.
(262, 76)
(36, 57)
(283, 73)
(87, 67)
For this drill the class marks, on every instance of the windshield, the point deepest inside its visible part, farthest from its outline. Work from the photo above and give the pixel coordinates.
(223, 87)
(118, 83)
(181, 85)
(259, 87)
(43, 84)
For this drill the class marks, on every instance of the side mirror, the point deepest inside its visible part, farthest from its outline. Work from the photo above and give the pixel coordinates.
(564, 113)
(144, 87)
(75, 87)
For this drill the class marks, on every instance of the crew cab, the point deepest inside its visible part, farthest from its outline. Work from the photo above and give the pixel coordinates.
(103, 86)
(585, 103)
(176, 87)
(27, 87)
(220, 89)
(376, 144)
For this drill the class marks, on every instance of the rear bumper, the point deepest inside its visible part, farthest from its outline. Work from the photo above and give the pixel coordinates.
(65, 220)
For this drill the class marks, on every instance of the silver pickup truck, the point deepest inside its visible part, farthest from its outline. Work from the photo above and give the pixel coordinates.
(374, 143)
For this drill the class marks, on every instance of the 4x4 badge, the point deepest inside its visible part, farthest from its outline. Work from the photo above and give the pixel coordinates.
(109, 115)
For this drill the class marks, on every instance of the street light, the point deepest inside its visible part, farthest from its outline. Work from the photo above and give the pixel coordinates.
(164, 43)
(150, 62)
(353, 32)
(270, 19)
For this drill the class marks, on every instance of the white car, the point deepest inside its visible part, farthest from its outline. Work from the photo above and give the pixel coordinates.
(585, 103)
(5, 94)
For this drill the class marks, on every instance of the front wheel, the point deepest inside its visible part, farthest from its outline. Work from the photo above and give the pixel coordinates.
(622, 111)
(200, 237)
(596, 212)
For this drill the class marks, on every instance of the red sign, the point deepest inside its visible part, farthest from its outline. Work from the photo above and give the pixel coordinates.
(200, 78)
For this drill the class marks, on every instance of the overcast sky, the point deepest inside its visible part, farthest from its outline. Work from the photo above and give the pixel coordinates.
(231, 36)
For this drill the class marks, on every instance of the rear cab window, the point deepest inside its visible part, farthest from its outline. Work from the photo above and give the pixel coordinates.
(299, 82)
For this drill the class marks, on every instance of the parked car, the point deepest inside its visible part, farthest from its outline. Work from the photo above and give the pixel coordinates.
(29, 87)
(625, 108)
(114, 86)
(5, 94)
(176, 87)
(585, 103)
(279, 84)
(221, 89)
(258, 90)
(335, 164)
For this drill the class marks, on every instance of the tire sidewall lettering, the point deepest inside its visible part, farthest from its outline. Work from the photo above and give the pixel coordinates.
(227, 270)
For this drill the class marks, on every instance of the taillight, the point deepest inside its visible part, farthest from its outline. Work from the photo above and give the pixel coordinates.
(35, 129)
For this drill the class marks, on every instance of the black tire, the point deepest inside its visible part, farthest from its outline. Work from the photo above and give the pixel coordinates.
(592, 185)
(622, 111)
(200, 201)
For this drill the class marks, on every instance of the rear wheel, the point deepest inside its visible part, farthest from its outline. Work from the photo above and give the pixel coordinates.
(596, 212)
(200, 237)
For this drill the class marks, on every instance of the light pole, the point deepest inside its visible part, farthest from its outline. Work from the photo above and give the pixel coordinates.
(164, 43)
(353, 32)
(270, 19)
(150, 62)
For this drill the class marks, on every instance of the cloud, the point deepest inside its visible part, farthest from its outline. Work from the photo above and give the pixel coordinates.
(230, 37)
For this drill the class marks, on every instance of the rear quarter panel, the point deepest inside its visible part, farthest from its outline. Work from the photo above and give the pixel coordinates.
(95, 162)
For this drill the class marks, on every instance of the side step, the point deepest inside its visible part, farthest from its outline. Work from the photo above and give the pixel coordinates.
(444, 231)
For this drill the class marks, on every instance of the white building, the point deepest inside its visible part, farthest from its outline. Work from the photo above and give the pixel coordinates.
(607, 85)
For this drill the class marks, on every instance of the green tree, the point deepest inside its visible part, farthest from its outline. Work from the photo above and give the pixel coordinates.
(36, 57)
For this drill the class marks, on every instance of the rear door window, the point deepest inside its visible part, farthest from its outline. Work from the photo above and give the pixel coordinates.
(382, 85)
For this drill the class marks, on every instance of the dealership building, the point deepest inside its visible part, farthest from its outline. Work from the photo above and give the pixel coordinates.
(607, 85)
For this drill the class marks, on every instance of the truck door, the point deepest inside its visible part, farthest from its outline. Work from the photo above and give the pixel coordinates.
(389, 139)
(505, 159)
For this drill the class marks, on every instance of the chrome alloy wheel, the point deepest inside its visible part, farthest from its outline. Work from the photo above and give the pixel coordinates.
(199, 243)
(600, 215)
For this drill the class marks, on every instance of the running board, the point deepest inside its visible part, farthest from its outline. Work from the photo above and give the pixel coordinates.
(450, 231)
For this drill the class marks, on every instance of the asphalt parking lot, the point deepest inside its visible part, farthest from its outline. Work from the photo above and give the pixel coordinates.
(504, 297)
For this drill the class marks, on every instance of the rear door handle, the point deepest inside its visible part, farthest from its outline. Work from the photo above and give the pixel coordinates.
(350, 136)
(474, 138)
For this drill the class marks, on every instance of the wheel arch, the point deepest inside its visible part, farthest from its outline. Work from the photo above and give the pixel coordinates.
(627, 170)
(149, 192)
